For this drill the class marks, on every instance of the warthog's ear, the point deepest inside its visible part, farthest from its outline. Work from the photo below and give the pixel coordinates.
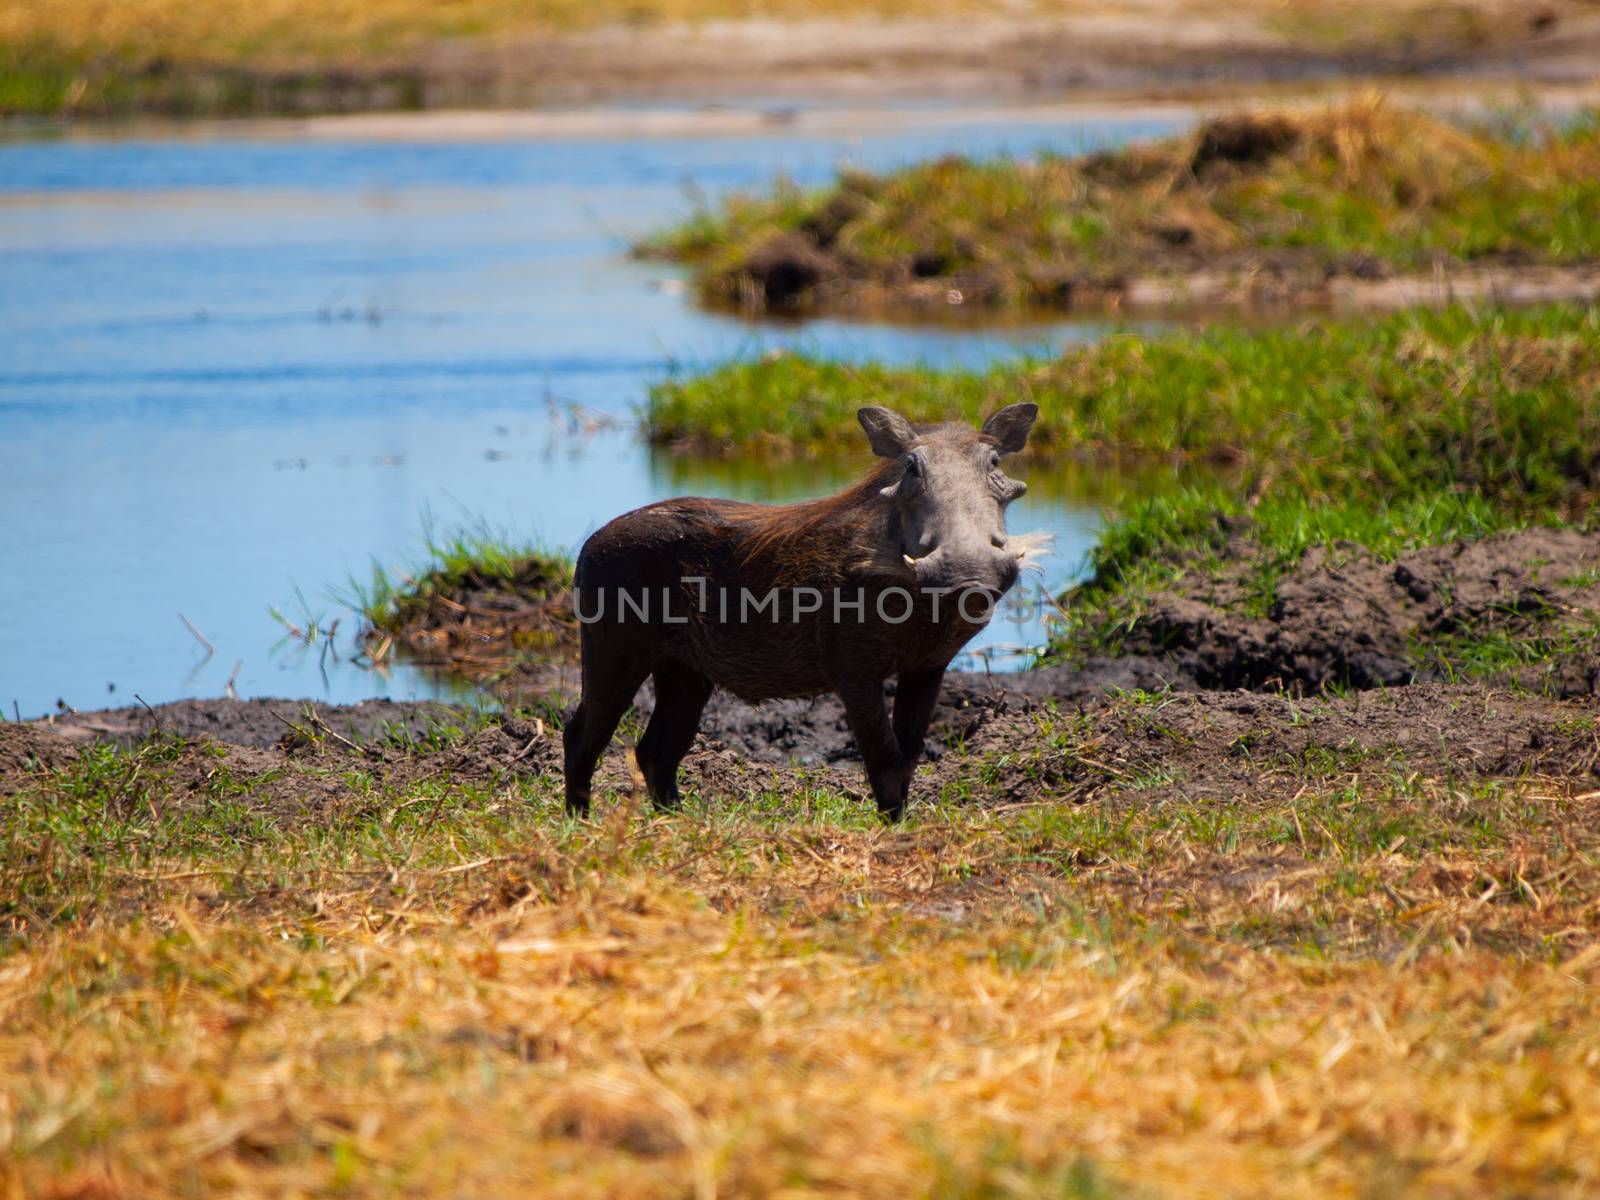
(891, 434)
(1008, 428)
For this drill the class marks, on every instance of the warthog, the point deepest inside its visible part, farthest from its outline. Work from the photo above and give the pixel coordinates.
(890, 577)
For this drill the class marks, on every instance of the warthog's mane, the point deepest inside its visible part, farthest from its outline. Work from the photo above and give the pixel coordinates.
(831, 536)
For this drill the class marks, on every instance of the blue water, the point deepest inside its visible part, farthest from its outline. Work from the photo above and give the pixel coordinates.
(236, 369)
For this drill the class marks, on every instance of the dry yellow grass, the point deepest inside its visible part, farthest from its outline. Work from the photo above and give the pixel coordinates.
(635, 1043)
(765, 1002)
(250, 31)
(271, 30)
(237, 56)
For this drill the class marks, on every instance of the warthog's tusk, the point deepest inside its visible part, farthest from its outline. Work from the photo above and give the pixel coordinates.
(910, 562)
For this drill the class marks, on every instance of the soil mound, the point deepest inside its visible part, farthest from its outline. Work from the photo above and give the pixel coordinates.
(788, 266)
(1345, 617)
(260, 723)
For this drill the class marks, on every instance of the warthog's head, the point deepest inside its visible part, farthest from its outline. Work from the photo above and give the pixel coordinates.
(948, 507)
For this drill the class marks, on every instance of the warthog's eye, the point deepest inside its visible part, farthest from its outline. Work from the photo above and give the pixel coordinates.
(913, 466)
(994, 460)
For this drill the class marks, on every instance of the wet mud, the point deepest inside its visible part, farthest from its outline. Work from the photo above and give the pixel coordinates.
(1342, 617)
(1349, 671)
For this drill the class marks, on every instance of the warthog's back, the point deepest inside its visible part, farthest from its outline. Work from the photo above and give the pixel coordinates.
(677, 581)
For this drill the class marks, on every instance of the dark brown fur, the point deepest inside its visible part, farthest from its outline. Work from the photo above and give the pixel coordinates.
(689, 643)
(800, 543)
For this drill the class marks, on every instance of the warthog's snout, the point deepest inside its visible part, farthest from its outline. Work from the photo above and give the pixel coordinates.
(994, 570)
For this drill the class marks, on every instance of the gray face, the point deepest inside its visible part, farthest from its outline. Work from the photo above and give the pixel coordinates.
(948, 508)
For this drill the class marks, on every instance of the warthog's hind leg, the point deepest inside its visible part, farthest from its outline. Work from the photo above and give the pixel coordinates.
(608, 689)
(681, 695)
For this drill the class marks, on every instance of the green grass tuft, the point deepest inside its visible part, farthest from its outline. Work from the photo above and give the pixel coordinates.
(1485, 402)
(472, 558)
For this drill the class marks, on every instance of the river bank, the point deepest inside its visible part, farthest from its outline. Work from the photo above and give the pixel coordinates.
(75, 58)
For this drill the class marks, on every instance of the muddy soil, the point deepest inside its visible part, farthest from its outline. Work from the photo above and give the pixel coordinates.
(259, 723)
(811, 732)
(1198, 744)
(1210, 700)
(1343, 617)
(994, 744)
(31, 747)
(1223, 676)
(1340, 618)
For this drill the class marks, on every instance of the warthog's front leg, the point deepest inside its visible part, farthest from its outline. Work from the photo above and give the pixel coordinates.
(916, 693)
(887, 769)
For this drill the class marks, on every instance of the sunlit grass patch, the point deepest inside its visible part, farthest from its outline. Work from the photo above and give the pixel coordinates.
(1491, 650)
(1290, 451)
